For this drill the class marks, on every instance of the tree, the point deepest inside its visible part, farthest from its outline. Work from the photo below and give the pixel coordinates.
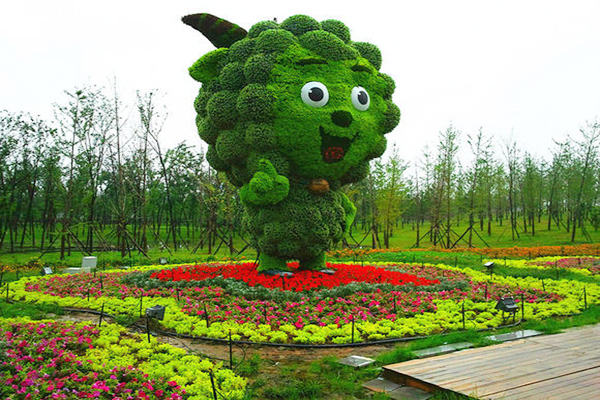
(445, 174)
(587, 153)
(392, 192)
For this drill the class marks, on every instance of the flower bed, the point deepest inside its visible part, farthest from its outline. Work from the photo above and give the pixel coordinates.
(495, 252)
(215, 306)
(300, 281)
(57, 360)
(587, 265)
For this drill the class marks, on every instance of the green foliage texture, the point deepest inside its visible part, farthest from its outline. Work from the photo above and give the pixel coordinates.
(272, 143)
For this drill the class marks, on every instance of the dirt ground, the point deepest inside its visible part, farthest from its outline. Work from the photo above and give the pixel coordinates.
(220, 351)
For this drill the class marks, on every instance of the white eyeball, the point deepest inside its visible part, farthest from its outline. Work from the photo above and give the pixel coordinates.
(314, 94)
(360, 98)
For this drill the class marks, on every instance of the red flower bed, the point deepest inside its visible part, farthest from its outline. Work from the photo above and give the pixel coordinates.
(300, 281)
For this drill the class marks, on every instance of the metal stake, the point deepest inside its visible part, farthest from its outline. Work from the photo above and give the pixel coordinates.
(230, 351)
(584, 299)
(212, 382)
(463, 314)
(148, 327)
(101, 315)
(352, 328)
(522, 307)
(206, 315)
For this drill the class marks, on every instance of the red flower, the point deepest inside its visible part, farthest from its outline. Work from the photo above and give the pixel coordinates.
(300, 281)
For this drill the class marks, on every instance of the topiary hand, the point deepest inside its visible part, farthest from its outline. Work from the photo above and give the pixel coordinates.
(265, 187)
(350, 210)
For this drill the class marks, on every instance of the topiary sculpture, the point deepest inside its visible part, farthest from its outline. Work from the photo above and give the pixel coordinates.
(291, 112)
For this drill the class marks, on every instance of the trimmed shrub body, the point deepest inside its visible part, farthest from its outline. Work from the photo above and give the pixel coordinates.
(292, 112)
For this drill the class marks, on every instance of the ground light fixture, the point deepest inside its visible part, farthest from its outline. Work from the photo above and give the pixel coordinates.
(155, 312)
(490, 267)
(47, 271)
(163, 261)
(281, 274)
(507, 304)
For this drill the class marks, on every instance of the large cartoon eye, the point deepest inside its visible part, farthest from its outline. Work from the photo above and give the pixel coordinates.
(360, 98)
(315, 94)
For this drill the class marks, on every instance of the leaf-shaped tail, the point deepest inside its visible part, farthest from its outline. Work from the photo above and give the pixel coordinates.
(220, 32)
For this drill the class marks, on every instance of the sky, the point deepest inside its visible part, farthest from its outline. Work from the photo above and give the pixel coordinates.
(527, 71)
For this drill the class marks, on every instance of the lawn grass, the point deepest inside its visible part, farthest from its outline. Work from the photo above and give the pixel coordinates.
(33, 311)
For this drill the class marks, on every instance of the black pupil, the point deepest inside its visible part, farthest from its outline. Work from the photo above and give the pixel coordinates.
(363, 97)
(315, 94)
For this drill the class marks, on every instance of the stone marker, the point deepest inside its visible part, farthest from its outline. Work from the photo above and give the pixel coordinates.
(357, 361)
(88, 263)
(507, 337)
(444, 349)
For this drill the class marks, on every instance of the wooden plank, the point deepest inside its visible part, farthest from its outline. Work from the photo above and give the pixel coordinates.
(574, 381)
(564, 366)
(530, 378)
(471, 352)
(464, 360)
(512, 368)
(583, 392)
(559, 384)
(483, 366)
(461, 359)
(568, 393)
(497, 360)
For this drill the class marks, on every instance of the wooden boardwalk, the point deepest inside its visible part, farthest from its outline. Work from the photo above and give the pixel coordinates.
(562, 366)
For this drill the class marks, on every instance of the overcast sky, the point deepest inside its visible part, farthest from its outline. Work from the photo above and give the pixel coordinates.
(524, 69)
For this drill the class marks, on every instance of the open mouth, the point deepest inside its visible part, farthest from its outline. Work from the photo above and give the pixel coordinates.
(333, 148)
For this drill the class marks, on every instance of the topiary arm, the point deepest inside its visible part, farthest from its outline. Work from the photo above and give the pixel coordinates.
(266, 186)
(350, 210)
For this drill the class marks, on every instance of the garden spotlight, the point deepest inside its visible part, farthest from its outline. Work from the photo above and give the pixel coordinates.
(507, 304)
(490, 267)
(156, 312)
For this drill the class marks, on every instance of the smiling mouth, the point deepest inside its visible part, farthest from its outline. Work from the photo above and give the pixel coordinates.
(333, 148)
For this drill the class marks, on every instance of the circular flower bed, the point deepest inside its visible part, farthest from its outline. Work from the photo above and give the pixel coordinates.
(379, 301)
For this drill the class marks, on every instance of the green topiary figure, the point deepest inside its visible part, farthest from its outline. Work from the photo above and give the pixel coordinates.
(292, 112)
